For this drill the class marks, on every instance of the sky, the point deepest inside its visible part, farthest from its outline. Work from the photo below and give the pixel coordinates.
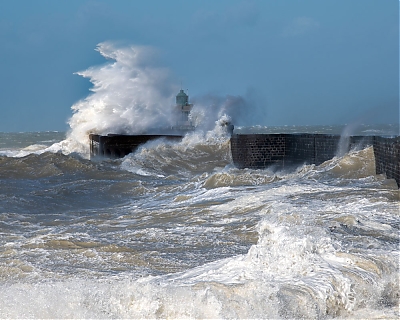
(295, 62)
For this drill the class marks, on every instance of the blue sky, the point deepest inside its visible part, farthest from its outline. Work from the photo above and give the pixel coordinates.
(296, 62)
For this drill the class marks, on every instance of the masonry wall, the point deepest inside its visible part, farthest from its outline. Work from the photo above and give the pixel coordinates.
(258, 150)
(300, 148)
(387, 157)
(282, 150)
(118, 146)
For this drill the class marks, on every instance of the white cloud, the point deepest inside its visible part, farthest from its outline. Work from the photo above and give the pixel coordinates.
(244, 13)
(300, 26)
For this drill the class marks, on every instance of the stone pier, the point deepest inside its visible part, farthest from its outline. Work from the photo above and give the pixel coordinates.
(259, 151)
(118, 145)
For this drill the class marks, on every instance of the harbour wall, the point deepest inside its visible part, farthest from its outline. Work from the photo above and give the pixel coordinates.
(387, 157)
(118, 145)
(258, 151)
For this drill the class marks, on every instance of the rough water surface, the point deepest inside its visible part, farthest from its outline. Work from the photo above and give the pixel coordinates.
(176, 231)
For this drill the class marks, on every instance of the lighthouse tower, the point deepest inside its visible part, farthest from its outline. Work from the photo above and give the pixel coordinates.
(183, 108)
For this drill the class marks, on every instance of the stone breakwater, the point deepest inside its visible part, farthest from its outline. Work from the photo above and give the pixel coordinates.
(258, 151)
(119, 145)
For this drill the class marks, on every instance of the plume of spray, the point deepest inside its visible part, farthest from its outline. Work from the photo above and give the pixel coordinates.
(210, 108)
(130, 95)
(344, 141)
(374, 114)
(349, 129)
(241, 111)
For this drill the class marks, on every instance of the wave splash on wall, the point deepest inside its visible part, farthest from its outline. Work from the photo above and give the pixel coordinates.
(132, 94)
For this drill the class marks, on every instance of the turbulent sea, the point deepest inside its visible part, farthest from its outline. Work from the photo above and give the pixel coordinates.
(174, 230)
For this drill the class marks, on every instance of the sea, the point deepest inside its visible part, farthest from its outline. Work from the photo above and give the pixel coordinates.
(175, 231)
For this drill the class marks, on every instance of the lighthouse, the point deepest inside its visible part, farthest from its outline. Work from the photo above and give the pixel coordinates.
(182, 109)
